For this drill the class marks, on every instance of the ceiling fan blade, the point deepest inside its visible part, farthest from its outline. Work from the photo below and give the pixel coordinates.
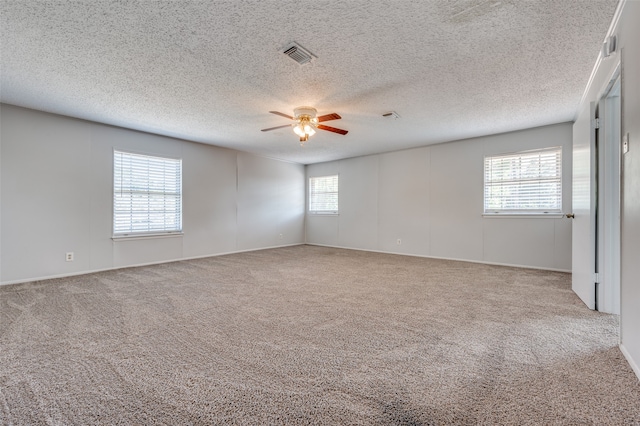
(277, 127)
(282, 114)
(332, 129)
(329, 117)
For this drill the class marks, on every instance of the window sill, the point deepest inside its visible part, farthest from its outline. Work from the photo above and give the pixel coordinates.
(322, 214)
(523, 215)
(146, 236)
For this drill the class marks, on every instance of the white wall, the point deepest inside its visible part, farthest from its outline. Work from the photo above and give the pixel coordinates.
(432, 199)
(629, 38)
(630, 266)
(57, 190)
(626, 27)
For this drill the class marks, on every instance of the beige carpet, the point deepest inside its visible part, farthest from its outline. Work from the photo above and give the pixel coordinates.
(310, 335)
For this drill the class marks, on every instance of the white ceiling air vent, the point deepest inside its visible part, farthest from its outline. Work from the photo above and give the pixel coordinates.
(298, 53)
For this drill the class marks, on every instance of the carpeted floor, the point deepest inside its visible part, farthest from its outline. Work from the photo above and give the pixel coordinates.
(310, 335)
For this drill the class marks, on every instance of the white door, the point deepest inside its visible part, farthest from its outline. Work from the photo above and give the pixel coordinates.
(584, 208)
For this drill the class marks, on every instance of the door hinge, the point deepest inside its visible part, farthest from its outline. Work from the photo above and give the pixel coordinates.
(595, 123)
(596, 278)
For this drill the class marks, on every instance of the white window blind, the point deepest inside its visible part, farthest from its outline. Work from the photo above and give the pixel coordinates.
(323, 194)
(147, 194)
(527, 182)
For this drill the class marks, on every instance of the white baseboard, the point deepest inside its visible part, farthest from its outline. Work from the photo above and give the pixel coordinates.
(49, 277)
(630, 360)
(445, 258)
(92, 271)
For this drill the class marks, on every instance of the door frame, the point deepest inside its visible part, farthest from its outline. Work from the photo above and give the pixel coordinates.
(586, 235)
(608, 224)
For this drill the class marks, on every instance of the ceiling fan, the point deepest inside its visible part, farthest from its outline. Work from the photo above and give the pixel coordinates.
(305, 122)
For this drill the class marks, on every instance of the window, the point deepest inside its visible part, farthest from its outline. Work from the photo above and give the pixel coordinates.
(323, 195)
(528, 182)
(147, 194)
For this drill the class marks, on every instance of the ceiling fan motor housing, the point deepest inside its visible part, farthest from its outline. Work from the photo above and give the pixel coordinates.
(303, 111)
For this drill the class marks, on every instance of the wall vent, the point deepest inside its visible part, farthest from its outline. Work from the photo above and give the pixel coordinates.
(298, 53)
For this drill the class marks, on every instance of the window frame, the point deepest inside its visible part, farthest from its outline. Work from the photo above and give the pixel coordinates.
(532, 212)
(176, 231)
(310, 194)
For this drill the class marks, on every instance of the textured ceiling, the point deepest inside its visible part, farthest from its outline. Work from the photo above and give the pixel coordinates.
(210, 71)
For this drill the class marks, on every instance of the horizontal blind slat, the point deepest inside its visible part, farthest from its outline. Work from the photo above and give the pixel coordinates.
(323, 194)
(147, 194)
(525, 181)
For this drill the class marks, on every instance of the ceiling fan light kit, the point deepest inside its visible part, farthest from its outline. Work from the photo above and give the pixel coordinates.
(306, 122)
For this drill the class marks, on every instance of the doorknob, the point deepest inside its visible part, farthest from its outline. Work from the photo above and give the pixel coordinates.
(570, 215)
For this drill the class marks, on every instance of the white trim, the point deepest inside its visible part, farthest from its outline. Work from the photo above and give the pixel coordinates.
(632, 363)
(612, 28)
(446, 258)
(522, 216)
(145, 153)
(93, 271)
(131, 237)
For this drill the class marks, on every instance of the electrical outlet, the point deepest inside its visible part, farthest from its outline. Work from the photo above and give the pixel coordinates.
(281, 236)
(399, 241)
(69, 257)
